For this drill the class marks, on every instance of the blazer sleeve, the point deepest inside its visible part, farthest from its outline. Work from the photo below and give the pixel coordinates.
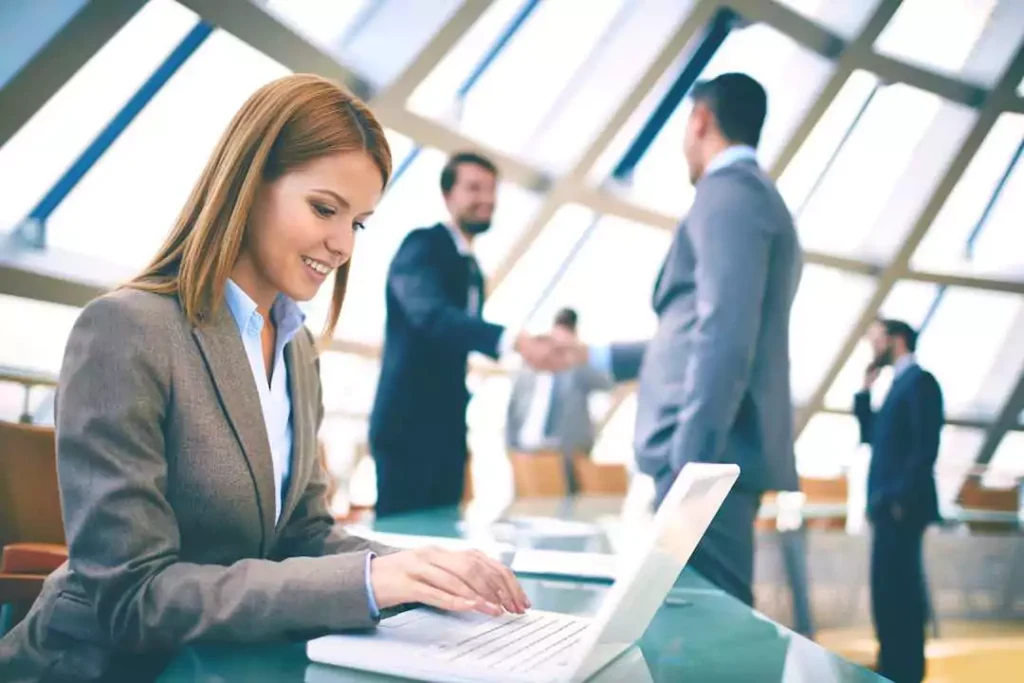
(732, 245)
(415, 283)
(926, 419)
(625, 360)
(865, 414)
(312, 530)
(114, 398)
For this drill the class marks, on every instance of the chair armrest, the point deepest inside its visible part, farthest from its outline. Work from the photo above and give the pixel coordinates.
(32, 558)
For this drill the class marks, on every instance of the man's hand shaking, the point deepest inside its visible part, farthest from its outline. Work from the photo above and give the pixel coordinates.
(546, 353)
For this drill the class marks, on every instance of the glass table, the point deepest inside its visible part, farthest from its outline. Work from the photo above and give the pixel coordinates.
(700, 633)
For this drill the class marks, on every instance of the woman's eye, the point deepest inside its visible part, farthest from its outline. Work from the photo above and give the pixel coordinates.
(323, 210)
(358, 225)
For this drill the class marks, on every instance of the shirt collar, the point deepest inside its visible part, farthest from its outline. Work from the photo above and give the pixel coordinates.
(462, 245)
(286, 314)
(901, 365)
(730, 156)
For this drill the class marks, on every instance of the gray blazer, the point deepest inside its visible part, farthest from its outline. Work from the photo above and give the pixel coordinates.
(574, 431)
(714, 381)
(167, 491)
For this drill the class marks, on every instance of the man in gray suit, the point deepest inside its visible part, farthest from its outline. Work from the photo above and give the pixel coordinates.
(550, 411)
(714, 381)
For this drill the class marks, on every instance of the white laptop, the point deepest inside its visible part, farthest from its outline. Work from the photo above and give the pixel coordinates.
(442, 647)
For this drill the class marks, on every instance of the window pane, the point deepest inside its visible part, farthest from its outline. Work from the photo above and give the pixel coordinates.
(610, 290)
(582, 109)
(513, 299)
(814, 154)
(125, 206)
(435, 96)
(827, 305)
(540, 59)
(909, 301)
(997, 246)
(324, 22)
(393, 33)
(36, 341)
(1007, 465)
(845, 18)
(349, 383)
(842, 213)
(974, 345)
(792, 76)
(415, 200)
(615, 441)
(942, 35)
(492, 473)
(36, 156)
(958, 451)
(827, 446)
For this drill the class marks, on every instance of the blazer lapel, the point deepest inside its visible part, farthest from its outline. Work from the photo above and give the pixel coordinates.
(303, 427)
(221, 346)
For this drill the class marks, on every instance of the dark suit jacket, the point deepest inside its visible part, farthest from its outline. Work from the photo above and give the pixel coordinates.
(421, 395)
(167, 490)
(904, 438)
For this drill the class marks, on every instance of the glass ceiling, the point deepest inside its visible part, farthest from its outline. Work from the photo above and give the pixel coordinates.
(906, 184)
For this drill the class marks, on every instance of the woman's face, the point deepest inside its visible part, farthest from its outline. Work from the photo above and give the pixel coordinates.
(302, 226)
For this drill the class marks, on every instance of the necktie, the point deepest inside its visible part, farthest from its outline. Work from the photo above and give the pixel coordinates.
(554, 406)
(475, 286)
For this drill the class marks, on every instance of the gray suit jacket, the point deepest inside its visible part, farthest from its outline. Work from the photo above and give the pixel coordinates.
(167, 491)
(714, 381)
(574, 431)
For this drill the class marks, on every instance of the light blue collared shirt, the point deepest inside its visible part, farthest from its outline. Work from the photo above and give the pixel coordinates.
(901, 365)
(275, 397)
(600, 356)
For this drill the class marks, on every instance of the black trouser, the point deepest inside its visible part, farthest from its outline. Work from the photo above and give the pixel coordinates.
(409, 479)
(899, 605)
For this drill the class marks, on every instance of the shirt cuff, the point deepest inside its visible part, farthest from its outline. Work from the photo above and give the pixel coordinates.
(374, 611)
(600, 358)
(507, 342)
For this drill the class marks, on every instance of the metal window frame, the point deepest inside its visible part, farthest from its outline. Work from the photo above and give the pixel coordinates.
(46, 275)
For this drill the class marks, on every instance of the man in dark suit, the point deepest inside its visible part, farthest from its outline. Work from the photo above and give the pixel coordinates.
(902, 500)
(434, 299)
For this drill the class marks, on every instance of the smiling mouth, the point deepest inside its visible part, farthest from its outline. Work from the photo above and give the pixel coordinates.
(319, 267)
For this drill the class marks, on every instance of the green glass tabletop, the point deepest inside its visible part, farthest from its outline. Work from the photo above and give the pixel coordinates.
(700, 633)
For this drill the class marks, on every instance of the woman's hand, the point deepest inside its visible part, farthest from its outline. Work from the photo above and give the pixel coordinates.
(455, 581)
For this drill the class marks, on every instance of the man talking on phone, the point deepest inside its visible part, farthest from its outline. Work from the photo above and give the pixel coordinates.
(902, 499)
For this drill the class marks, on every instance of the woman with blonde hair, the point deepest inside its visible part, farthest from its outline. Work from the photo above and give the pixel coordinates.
(187, 417)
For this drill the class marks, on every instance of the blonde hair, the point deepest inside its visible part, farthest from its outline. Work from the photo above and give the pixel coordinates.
(283, 125)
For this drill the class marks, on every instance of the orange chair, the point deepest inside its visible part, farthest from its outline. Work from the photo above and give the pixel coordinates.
(974, 496)
(834, 490)
(538, 475)
(599, 479)
(31, 529)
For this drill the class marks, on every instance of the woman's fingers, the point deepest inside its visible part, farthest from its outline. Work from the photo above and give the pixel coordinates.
(436, 575)
(479, 576)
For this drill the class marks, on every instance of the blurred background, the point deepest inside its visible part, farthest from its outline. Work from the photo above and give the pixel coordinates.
(894, 131)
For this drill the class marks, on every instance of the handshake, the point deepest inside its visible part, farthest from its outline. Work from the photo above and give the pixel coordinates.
(548, 353)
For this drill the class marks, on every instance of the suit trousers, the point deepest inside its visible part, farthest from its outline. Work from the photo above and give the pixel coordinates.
(899, 605)
(725, 554)
(409, 480)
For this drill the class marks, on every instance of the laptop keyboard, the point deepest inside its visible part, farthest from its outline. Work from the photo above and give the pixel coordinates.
(513, 642)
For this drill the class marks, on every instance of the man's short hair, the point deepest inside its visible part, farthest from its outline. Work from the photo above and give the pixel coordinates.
(898, 328)
(451, 169)
(738, 103)
(566, 318)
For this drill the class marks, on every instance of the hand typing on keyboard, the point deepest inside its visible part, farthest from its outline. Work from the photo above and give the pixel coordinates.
(457, 581)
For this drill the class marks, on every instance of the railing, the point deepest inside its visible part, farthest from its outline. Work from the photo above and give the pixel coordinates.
(28, 379)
